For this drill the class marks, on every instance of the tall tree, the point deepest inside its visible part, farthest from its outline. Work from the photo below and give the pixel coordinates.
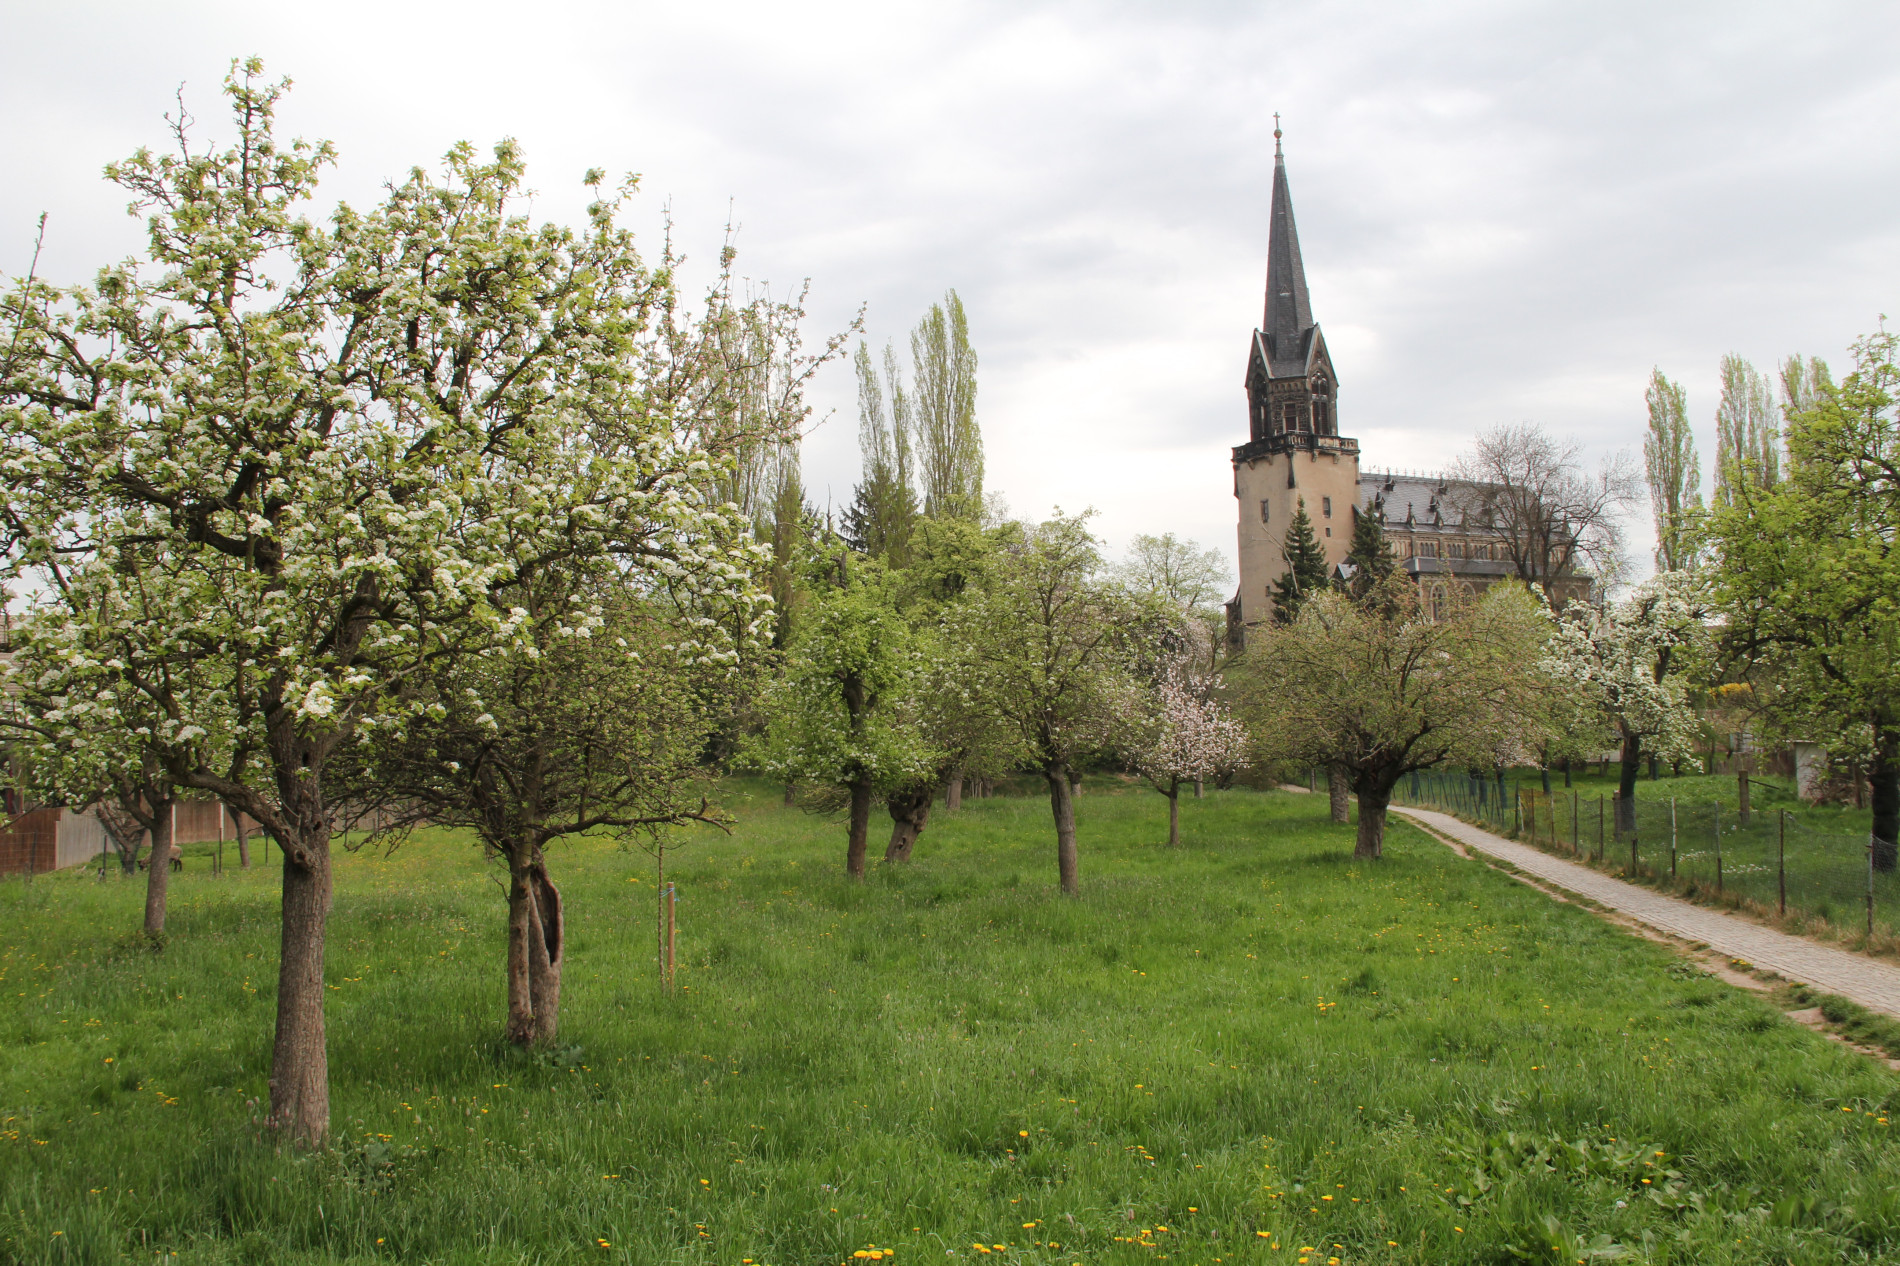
(1803, 384)
(1674, 473)
(1306, 571)
(1747, 440)
(949, 443)
(884, 505)
(1045, 647)
(1552, 515)
(1381, 690)
(1807, 571)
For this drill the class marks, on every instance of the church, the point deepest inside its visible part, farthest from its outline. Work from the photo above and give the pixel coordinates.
(1295, 456)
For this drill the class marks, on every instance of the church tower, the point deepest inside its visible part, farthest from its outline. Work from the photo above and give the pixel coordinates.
(1294, 452)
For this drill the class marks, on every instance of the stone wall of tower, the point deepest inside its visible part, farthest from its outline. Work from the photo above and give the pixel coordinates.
(1327, 477)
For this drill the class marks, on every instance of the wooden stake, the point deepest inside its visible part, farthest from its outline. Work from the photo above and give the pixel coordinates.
(672, 934)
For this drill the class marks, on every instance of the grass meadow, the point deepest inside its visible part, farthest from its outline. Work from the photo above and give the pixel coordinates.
(1248, 1049)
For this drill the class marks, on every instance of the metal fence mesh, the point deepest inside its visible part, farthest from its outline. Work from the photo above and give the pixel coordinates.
(1773, 857)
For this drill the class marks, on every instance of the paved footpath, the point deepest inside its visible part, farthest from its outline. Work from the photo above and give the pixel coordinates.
(1868, 981)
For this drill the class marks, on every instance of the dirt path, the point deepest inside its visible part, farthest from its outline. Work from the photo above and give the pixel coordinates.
(1873, 984)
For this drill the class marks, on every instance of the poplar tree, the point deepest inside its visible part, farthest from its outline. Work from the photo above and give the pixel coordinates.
(1306, 568)
(884, 506)
(1674, 473)
(949, 444)
(1747, 441)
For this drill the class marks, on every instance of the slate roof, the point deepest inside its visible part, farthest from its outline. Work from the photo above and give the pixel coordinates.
(1429, 500)
(1287, 328)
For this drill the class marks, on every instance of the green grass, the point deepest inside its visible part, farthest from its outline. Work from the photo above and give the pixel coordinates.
(1211, 1040)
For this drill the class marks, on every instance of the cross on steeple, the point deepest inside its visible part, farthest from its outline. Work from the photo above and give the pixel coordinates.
(1277, 156)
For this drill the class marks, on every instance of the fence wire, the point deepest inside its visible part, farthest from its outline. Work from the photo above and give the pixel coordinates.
(1773, 857)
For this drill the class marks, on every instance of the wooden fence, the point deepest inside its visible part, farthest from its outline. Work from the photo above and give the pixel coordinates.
(30, 842)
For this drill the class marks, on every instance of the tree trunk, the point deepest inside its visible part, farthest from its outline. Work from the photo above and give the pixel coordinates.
(910, 810)
(300, 1065)
(1375, 793)
(243, 841)
(158, 871)
(859, 829)
(791, 794)
(1655, 767)
(1199, 793)
(1884, 780)
(546, 936)
(1338, 792)
(521, 926)
(1566, 773)
(1626, 783)
(1062, 807)
(1544, 773)
(1174, 817)
(1075, 784)
(952, 795)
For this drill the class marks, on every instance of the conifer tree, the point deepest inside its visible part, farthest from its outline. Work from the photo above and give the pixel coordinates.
(1370, 555)
(1306, 568)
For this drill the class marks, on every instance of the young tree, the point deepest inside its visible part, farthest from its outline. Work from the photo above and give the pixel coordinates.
(1552, 516)
(1747, 442)
(1674, 474)
(949, 443)
(1044, 647)
(1806, 570)
(1171, 734)
(1381, 690)
(301, 427)
(843, 717)
(597, 726)
(1627, 658)
(1306, 575)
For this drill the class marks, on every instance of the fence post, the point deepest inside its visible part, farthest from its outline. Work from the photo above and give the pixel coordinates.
(1781, 866)
(1576, 832)
(672, 929)
(1870, 885)
(1599, 826)
(1741, 798)
(1632, 851)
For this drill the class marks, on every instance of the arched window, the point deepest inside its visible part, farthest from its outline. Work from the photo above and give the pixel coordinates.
(1438, 603)
(1323, 407)
(1293, 416)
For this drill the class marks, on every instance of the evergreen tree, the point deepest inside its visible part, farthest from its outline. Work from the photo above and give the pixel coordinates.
(1370, 556)
(1306, 568)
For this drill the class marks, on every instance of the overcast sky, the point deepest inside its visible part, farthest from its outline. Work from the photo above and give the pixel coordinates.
(1508, 211)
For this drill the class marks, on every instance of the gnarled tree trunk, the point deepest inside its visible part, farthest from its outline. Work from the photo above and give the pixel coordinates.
(1062, 808)
(546, 934)
(860, 828)
(1338, 791)
(910, 811)
(1375, 793)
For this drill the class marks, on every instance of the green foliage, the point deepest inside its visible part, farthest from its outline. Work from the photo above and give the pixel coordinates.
(949, 443)
(883, 510)
(1674, 474)
(1370, 556)
(950, 1048)
(1306, 574)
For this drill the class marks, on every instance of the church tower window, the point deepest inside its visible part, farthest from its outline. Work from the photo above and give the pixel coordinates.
(1265, 507)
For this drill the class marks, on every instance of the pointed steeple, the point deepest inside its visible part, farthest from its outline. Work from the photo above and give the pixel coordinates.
(1289, 313)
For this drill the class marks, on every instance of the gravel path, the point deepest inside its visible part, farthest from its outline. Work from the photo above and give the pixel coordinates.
(1870, 982)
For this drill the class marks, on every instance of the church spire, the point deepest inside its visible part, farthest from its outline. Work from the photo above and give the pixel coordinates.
(1289, 309)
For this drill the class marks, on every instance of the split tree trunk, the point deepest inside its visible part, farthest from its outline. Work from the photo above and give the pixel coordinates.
(546, 934)
(859, 829)
(158, 871)
(910, 811)
(1338, 789)
(1062, 807)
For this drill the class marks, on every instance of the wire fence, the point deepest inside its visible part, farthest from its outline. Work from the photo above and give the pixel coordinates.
(1775, 858)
